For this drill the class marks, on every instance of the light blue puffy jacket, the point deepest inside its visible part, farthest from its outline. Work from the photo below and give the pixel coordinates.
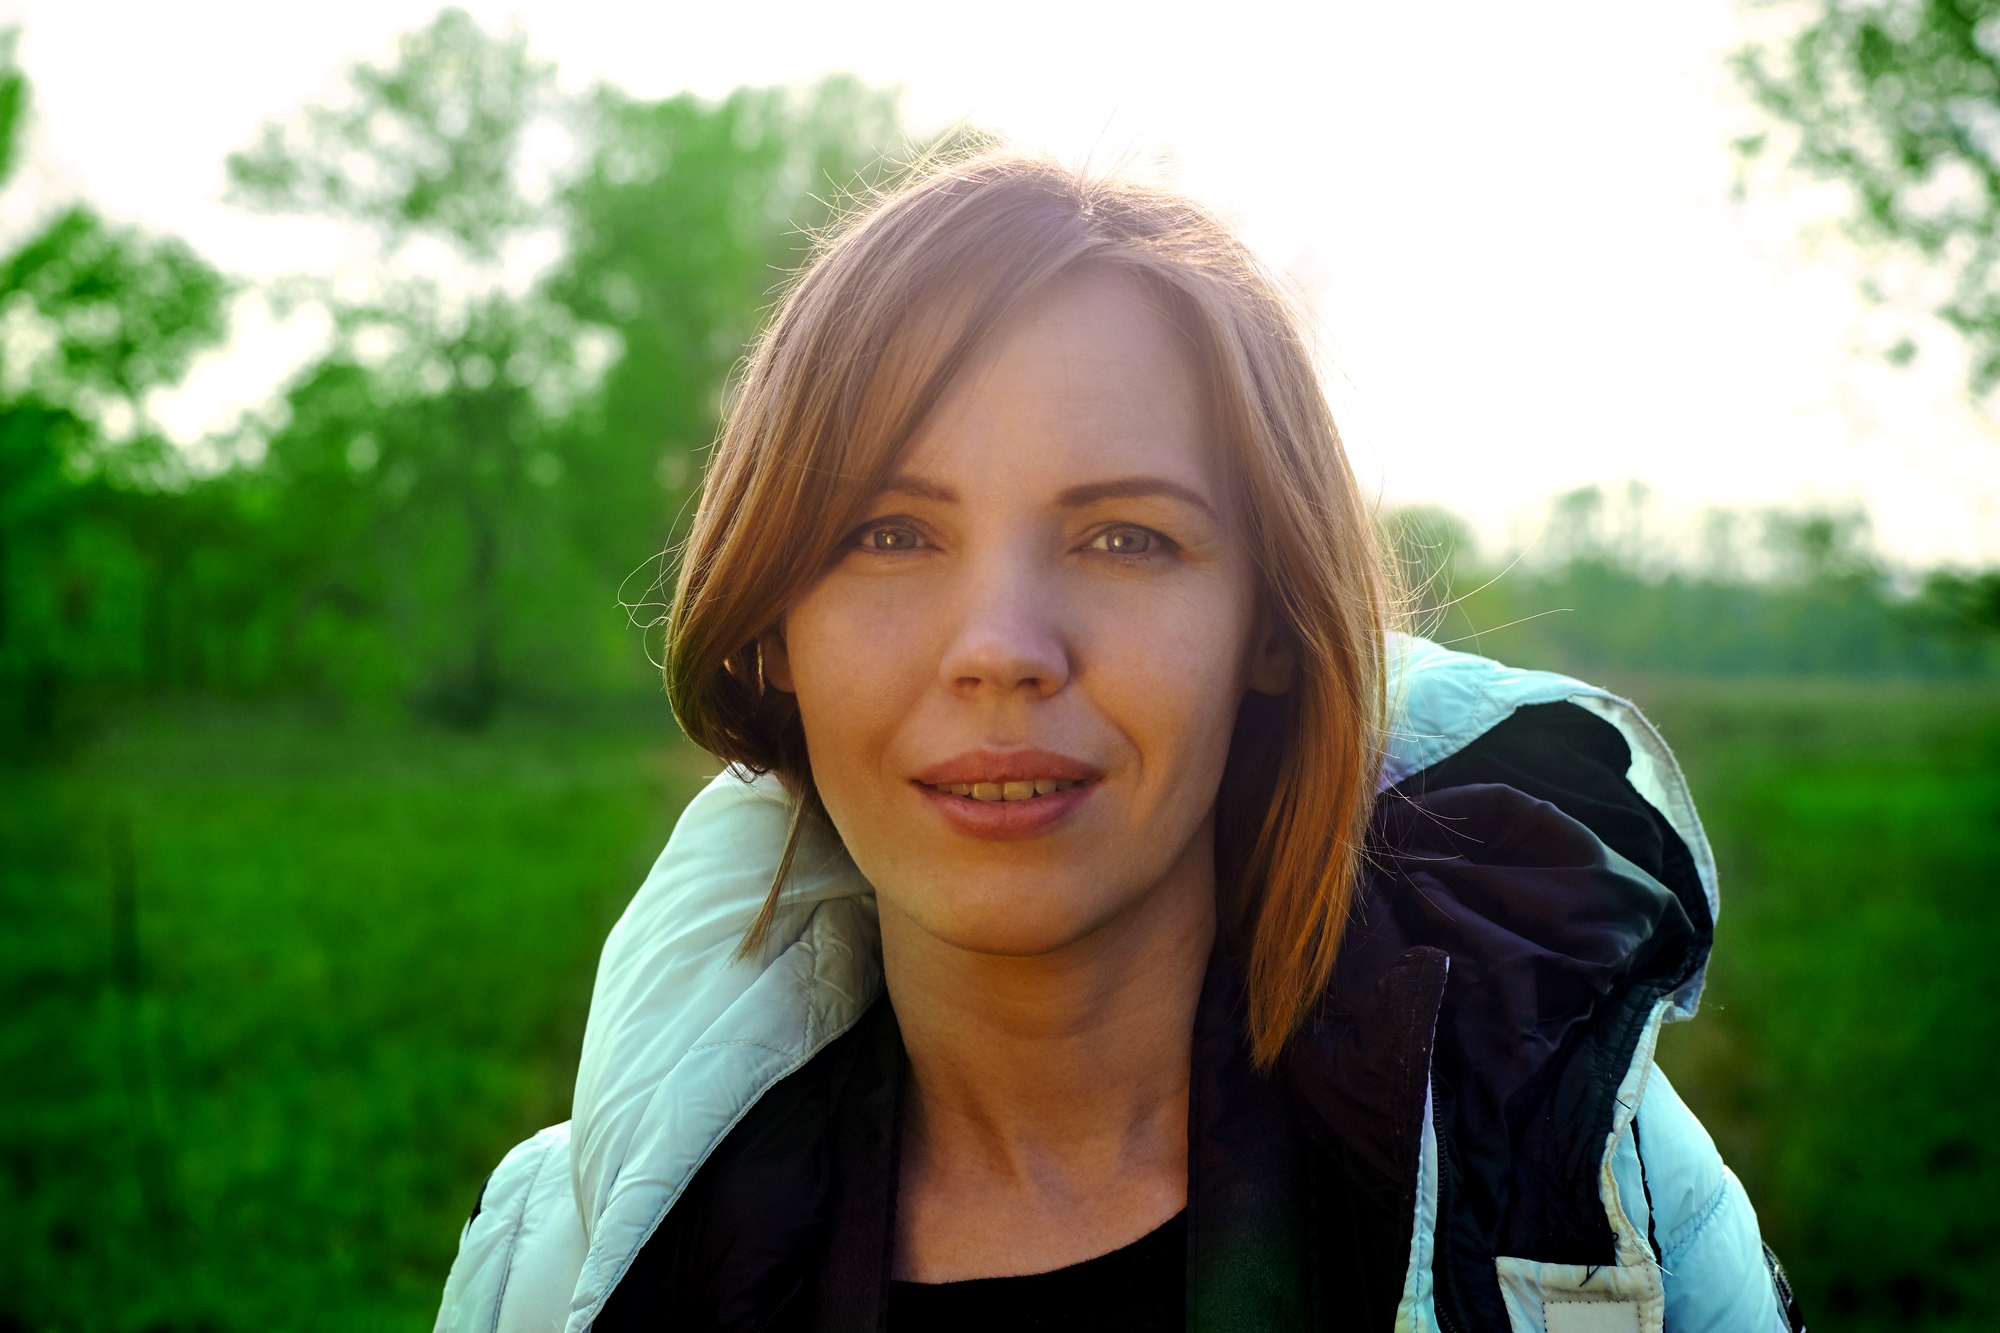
(683, 1039)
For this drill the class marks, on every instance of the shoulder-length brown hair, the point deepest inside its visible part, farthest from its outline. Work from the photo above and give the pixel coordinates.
(865, 343)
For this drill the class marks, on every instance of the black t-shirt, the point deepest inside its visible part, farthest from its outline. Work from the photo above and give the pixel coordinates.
(1139, 1289)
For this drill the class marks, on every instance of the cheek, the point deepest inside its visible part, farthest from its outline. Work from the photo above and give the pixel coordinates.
(1167, 671)
(857, 660)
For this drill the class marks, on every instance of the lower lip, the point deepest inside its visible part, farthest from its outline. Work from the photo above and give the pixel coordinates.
(1002, 820)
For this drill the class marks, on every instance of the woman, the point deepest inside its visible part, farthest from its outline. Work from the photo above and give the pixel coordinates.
(1127, 930)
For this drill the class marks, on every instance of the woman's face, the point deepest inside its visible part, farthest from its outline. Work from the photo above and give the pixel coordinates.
(1019, 678)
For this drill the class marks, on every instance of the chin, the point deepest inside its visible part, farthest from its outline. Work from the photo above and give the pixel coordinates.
(1013, 922)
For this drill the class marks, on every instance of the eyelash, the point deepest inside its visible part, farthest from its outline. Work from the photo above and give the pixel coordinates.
(1156, 543)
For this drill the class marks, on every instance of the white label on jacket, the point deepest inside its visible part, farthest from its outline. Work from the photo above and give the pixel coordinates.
(1591, 1317)
(1577, 1298)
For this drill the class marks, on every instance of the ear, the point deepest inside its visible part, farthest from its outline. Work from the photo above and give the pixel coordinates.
(774, 661)
(1272, 663)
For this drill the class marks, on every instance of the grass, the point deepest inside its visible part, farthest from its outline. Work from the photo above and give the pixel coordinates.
(278, 992)
(1844, 1055)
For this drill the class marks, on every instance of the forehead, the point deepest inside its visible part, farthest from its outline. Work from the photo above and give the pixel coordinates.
(1091, 377)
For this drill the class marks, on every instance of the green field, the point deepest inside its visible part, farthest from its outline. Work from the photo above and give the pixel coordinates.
(1844, 1056)
(258, 1063)
(278, 990)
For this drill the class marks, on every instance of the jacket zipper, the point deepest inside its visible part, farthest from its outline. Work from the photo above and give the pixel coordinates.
(1446, 1324)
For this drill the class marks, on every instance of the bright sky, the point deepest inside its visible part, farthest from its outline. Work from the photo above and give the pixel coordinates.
(1514, 221)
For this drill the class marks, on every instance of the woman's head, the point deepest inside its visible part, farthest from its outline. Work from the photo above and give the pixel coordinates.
(1030, 486)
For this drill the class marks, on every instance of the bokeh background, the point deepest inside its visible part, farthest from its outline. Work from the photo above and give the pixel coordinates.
(357, 368)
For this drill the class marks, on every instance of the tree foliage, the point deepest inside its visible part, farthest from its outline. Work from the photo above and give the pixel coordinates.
(1899, 101)
(443, 507)
(683, 224)
(430, 144)
(491, 461)
(92, 317)
(1775, 593)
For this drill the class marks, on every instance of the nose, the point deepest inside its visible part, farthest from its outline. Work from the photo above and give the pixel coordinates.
(1007, 641)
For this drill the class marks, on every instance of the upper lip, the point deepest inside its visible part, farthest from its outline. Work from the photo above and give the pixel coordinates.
(1007, 766)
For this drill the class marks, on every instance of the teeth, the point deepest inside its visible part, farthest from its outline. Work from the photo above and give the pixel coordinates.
(1008, 791)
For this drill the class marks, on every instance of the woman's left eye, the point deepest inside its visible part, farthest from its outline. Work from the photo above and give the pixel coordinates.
(1125, 541)
(887, 538)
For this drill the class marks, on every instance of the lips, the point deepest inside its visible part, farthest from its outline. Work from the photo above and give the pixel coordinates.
(1007, 794)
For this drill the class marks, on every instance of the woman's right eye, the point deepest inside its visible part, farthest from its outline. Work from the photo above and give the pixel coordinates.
(888, 537)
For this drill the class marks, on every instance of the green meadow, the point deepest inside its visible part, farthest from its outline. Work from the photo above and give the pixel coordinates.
(281, 989)
(1843, 1057)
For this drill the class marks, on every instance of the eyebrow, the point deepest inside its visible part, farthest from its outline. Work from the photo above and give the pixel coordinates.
(1128, 488)
(919, 489)
(1076, 497)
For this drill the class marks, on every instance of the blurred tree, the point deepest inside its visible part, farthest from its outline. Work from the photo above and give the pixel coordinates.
(92, 317)
(685, 221)
(1594, 594)
(491, 450)
(1965, 604)
(411, 460)
(414, 506)
(429, 145)
(1899, 100)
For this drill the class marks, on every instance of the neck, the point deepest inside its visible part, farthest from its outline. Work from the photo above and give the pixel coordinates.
(1051, 1090)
